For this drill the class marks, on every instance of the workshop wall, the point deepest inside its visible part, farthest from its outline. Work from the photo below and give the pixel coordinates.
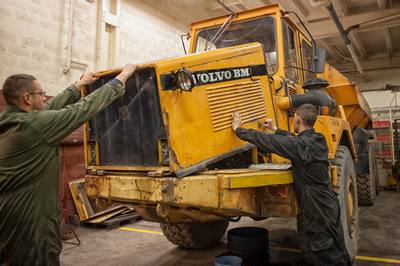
(33, 35)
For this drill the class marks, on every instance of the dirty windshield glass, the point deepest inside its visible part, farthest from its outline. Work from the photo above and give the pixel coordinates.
(258, 30)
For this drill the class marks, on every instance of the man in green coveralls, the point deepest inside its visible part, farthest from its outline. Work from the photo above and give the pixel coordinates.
(30, 132)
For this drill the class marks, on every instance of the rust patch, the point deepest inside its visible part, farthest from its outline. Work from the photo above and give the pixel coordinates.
(167, 189)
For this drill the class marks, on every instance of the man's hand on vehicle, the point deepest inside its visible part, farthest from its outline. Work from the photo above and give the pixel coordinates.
(268, 124)
(87, 79)
(126, 72)
(236, 121)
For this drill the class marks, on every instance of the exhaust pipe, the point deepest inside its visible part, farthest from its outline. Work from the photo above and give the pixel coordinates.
(314, 95)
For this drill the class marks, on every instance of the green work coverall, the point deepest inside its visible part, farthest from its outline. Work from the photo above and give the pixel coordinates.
(29, 172)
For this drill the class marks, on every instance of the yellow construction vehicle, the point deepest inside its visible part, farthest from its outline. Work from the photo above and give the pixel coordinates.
(168, 148)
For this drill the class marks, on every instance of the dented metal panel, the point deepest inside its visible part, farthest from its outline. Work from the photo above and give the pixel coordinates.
(228, 192)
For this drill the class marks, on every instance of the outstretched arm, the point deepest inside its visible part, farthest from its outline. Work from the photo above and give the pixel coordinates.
(71, 94)
(269, 124)
(284, 146)
(281, 144)
(54, 125)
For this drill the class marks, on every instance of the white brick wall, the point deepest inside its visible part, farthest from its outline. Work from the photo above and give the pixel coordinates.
(33, 35)
(152, 29)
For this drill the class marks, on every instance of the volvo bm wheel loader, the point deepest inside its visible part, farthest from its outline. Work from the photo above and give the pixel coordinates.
(167, 146)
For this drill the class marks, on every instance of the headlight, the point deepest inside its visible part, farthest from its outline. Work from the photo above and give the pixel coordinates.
(184, 80)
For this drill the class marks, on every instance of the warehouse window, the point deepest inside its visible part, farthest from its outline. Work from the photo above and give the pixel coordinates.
(289, 43)
(257, 30)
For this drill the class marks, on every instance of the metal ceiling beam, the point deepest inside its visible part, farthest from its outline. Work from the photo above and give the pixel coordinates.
(322, 43)
(290, 5)
(214, 5)
(371, 64)
(332, 12)
(301, 8)
(239, 5)
(381, 4)
(358, 44)
(341, 7)
(388, 41)
(326, 29)
(256, 3)
(343, 10)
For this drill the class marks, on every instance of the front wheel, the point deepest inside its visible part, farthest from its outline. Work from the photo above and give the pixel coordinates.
(195, 235)
(348, 199)
(366, 183)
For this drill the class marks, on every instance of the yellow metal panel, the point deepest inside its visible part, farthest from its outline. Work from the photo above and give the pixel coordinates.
(227, 189)
(239, 201)
(199, 122)
(127, 188)
(245, 97)
(190, 191)
(128, 168)
(257, 179)
(348, 94)
(332, 128)
(348, 98)
(194, 189)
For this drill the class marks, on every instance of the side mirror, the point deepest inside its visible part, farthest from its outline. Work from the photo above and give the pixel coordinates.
(318, 59)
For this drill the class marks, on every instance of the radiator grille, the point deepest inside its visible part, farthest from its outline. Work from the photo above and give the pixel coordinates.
(245, 97)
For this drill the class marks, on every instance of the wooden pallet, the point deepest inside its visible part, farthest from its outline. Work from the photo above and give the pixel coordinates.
(122, 220)
(115, 222)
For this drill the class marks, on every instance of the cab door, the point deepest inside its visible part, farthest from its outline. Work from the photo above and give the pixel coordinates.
(291, 58)
(306, 57)
(291, 64)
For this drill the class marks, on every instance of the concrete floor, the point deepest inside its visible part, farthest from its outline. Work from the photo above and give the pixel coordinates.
(379, 239)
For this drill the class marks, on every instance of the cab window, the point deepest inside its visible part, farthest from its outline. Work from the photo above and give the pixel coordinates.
(260, 30)
(289, 43)
(306, 51)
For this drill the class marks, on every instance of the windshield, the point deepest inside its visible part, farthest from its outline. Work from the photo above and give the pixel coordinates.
(259, 30)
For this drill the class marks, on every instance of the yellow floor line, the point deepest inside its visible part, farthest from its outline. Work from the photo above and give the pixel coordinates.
(294, 250)
(377, 259)
(140, 230)
(367, 258)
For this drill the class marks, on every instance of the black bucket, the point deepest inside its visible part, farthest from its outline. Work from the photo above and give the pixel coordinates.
(228, 260)
(250, 243)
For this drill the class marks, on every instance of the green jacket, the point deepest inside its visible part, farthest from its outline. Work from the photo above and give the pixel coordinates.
(29, 172)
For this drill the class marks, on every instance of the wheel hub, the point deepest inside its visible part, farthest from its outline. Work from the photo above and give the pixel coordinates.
(351, 219)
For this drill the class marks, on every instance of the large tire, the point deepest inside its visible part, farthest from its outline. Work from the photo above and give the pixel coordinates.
(347, 199)
(195, 235)
(366, 183)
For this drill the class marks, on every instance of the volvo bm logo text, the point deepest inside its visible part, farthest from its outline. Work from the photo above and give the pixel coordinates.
(213, 76)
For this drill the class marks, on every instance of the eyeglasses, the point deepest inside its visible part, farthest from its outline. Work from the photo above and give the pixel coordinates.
(42, 93)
